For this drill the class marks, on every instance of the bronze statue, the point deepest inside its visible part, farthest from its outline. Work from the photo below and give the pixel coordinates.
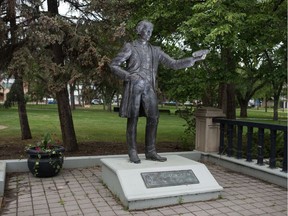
(139, 97)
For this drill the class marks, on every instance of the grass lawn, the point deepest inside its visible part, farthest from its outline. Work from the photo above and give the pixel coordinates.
(259, 115)
(91, 124)
(94, 124)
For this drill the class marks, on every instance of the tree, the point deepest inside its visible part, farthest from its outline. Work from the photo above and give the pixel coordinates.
(18, 67)
(108, 84)
(64, 109)
(105, 25)
(206, 28)
(218, 25)
(167, 17)
(15, 62)
(67, 53)
(275, 53)
(7, 30)
(63, 50)
(237, 34)
(250, 80)
(277, 73)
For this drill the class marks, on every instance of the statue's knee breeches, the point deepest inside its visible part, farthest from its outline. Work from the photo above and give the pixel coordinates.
(152, 121)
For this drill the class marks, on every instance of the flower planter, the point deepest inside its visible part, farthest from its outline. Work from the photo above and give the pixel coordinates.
(45, 164)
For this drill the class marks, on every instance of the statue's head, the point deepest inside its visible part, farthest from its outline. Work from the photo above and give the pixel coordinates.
(144, 29)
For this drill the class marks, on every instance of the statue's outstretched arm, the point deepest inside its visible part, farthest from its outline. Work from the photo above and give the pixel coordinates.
(182, 63)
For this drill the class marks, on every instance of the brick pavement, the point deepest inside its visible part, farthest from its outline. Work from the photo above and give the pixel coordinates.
(81, 192)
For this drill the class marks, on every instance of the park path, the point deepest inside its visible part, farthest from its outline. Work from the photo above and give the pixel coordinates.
(2, 127)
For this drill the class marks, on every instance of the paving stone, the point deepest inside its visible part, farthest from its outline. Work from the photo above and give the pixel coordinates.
(193, 208)
(213, 211)
(201, 213)
(167, 212)
(40, 212)
(225, 210)
(80, 192)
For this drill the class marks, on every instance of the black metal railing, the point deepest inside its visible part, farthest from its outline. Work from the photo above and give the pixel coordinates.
(228, 130)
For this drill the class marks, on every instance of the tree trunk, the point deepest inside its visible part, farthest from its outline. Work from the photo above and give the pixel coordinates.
(231, 102)
(243, 102)
(66, 121)
(243, 110)
(222, 100)
(275, 109)
(230, 66)
(206, 98)
(23, 117)
(276, 95)
(62, 96)
(227, 100)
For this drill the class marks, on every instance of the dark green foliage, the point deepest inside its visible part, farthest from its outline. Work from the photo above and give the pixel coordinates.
(238, 33)
(188, 140)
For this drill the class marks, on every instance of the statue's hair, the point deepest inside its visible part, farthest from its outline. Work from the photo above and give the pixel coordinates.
(141, 25)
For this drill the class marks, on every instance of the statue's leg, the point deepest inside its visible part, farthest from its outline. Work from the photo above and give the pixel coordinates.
(131, 134)
(150, 140)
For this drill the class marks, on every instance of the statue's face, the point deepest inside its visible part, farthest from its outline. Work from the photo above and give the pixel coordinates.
(146, 33)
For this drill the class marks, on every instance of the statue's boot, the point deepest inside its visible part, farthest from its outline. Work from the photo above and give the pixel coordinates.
(131, 134)
(150, 140)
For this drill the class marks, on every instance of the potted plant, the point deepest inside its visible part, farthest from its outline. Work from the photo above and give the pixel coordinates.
(45, 158)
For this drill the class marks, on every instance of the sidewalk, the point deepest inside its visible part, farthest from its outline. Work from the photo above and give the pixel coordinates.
(81, 192)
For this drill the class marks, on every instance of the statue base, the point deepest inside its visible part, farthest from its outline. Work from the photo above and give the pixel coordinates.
(152, 184)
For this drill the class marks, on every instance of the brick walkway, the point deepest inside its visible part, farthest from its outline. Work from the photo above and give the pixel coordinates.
(80, 192)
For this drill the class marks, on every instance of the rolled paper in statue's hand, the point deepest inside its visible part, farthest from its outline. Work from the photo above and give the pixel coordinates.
(200, 53)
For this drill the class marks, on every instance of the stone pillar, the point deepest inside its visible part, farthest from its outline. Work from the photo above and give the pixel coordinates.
(207, 132)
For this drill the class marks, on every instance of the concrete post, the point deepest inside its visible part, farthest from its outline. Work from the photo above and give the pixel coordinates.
(207, 132)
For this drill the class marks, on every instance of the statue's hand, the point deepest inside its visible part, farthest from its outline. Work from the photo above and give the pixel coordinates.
(200, 54)
(203, 57)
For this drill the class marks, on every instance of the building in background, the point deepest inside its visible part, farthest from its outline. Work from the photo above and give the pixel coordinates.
(5, 86)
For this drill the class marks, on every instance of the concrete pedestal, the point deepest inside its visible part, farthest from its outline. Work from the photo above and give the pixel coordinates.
(155, 184)
(207, 132)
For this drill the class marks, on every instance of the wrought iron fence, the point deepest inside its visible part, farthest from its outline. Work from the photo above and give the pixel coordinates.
(235, 143)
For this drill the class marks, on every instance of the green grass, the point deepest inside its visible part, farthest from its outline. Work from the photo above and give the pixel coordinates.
(95, 124)
(253, 114)
(259, 115)
(91, 124)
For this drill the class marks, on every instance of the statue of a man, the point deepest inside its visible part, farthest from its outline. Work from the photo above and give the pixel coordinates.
(140, 97)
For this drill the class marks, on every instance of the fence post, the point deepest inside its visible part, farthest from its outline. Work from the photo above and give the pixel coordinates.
(207, 132)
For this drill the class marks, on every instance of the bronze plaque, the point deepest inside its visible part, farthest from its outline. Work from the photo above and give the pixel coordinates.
(169, 178)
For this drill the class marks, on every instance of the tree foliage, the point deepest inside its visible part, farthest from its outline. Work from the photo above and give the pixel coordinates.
(238, 33)
(247, 41)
